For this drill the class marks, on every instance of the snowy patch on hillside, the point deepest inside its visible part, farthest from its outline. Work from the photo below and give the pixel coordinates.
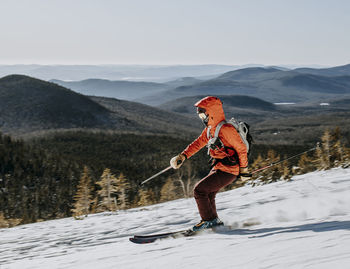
(304, 223)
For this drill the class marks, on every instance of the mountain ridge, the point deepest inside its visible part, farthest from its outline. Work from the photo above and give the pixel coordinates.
(269, 84)
(342, 70)
(28, 102)
(29, 105)
(126, 90)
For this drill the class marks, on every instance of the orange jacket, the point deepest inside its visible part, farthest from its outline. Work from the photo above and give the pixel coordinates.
(228, 136)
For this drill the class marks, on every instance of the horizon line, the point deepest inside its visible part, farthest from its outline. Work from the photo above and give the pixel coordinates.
(171, 64)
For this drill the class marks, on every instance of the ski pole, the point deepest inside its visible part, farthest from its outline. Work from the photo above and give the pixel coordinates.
(159, 173)
(275, 163)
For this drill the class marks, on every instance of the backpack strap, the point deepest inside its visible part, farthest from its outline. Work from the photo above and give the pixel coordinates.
(218, 127)
(217, 130)
(208, 132)
(214, 140)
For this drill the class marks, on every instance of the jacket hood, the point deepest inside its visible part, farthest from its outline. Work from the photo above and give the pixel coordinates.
(213, 107)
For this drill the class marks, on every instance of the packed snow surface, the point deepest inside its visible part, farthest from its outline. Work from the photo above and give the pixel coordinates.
(303, 223)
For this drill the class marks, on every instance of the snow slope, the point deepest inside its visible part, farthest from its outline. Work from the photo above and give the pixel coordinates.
(304, 223)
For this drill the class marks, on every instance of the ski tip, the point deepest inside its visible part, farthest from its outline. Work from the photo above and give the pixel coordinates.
(145, 239)
(134, 240)
(142, 240)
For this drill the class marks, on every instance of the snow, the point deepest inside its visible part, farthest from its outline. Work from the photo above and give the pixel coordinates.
(303, 223)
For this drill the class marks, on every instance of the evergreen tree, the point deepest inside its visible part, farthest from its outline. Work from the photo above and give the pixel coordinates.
(145, 197)
(3, 221)
(83, 197)
(6, 223)
(257, 178)
(123, 187)
(305, 164)
(346, 161)
(258, 163)
(286, 171)
(108, 185)
(272, 174)
(323, 154)
(338, 153)
(169, 191)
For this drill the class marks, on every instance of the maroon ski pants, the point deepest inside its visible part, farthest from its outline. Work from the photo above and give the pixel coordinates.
(206, 190)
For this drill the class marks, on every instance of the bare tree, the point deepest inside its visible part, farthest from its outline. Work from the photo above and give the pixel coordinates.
(186, 177)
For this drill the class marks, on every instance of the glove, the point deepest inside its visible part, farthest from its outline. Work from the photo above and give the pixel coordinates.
(244, 175)
(177, 161)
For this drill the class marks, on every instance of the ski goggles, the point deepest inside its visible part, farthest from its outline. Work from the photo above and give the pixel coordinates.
(202, 116)
(201, 113)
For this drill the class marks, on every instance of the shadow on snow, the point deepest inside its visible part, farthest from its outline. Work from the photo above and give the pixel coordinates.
(315, 227)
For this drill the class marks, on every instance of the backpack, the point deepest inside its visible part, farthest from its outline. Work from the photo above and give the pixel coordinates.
(241, 127)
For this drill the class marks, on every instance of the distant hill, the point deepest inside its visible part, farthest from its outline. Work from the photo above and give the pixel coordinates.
(269, 84)
(150, 118)
(340, 103)
(320, 84)
(31, 105)
(284, 81)
(153, 73)
(343, 70)
(230, 102)
(247, 74)
(245, 108)
(28, 104)
(185, 81)
(126, 90)
(277, 124)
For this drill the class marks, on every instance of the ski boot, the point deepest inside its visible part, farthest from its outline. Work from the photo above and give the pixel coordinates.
(206, 224)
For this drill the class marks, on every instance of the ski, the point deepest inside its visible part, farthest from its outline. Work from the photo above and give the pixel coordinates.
(161, 234)
(150, 238)
(145, 239)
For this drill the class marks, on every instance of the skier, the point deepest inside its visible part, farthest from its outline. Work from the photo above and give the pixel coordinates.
(229, 159)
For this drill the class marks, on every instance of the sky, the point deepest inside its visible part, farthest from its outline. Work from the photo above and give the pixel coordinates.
(167, 32)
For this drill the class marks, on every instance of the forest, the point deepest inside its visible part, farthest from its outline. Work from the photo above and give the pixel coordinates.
(75, 173)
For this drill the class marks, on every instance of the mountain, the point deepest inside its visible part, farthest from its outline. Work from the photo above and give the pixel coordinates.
(244, 107)
(248, 74)
(150, 118)
(300, 223)
(343, 70)
(269, 84)
(153, 73)
(340, 103)
(32, 105)
(274, 79)
(319, 84)
(185, 81)
(277, 124)
(28, 104)
(126, 90)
